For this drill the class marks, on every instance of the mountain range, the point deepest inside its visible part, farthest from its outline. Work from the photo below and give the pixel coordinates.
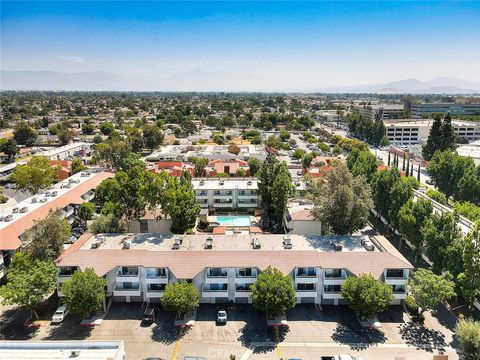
(200, 80)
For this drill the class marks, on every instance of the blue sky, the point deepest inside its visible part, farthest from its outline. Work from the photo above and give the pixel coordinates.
(281, 45)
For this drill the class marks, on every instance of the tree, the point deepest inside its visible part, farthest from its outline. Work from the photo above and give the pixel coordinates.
(411, 218)
(180, 204)
(444, 243)
(382, 183)
(307, 160)
(29, 281)
(9, 147)
(181, 297)
(86, 211)
(298, 154)
(362, 163)
(428, 289)
(34, 175)
(46, 238)
(448, 134)
(88, 129)
(108, 223)
(84, 292)
(77, 165)
(468, 187)
(281, 188)
(341, 200)
(366, 296)
(400, 193)
(24, 134)
(200, 164)
(65, 136)
(265, 183)
(106, 128)
(434, 141)
(446, 168)
(254, 165)
(468, 334)
(273, 292)
(152, 136)
(469, 279)
(111, 154)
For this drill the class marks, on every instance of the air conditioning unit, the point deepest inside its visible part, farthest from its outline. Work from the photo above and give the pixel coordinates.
(75, 353)
(126, 244)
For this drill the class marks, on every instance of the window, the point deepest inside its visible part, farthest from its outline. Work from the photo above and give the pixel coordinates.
(156, 287)
(395, 273)
(217, 272)
(332, 288)
(67, 270)
(245, 272)
(306, 287)
(398, 289)
(333, 273)
(243, 287)
(128, 271)
(310, 271)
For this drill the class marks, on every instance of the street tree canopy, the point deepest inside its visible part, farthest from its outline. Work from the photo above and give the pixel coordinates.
(29, 281)
(341, 200)
(428, 289)
(180, 297)
(273, 292)
(84, 292)
(46, 238)
(35, 175)
(468, 334)
(366, 296)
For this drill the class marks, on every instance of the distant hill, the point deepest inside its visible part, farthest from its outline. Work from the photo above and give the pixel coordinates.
(200, 80)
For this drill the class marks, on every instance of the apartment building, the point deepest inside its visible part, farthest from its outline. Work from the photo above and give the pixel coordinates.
(231, 167)
(137, 267)
(420, 111)
(383, 111)
(411, 131)
(66, 195)
(298, 219)
(226, 193)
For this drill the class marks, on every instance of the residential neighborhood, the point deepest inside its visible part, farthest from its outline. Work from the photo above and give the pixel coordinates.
(173, 208)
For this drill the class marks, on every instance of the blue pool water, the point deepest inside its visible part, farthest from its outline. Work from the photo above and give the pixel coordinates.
(237, 220)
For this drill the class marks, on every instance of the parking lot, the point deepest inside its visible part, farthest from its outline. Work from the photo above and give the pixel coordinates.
(310, 334)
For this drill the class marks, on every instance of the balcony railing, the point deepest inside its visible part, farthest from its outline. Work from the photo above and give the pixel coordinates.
(134, 287)
(127, 273)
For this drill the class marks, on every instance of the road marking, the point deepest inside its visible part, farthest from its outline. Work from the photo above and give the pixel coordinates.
(246, 354)
(177, 344)
(277, 345)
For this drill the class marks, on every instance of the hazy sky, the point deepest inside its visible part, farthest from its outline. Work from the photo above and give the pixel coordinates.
(281, 44)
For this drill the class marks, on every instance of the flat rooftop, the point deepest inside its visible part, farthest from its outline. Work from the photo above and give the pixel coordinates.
(225, 183)
(91, 350)
(426, 122)
(235, 242)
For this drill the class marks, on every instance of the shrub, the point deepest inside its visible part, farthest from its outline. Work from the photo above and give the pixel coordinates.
(412, 306)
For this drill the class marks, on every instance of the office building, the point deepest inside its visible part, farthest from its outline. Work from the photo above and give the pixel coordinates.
(420, 111)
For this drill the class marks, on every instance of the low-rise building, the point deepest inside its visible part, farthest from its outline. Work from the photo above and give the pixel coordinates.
(298, 219)
(230, 167)
(226, 193)
(223, 267)
(411, 131)
(382, 111)
(420, 111)
(62, 350)
(66, 195)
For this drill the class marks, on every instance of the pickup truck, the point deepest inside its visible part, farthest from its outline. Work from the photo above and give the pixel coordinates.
(340, 357)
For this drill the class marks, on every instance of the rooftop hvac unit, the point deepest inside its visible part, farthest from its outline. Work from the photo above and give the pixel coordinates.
(222, 183)
(338, 247)
(34, 200)
(368, 245)
(75, 353)
(126, 244)
(249, 182)
(43, 200)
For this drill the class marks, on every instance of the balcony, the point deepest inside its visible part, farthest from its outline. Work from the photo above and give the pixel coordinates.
(215, 291)
(306, 292)
(131, 290)
(243, 293)
(128, 274)
(396, 276)
(215, 276)
(156, 276)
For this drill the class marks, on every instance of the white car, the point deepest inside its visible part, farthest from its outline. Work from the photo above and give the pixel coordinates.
(59, 315)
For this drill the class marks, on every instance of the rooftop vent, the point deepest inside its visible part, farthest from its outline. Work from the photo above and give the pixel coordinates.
(202, 182)
(75, 353)
(256, 244)
(338, 247)
(43, 200)
(222, 183)
(34, 200)
(249, 182)
(15, 210)
(126, 244)
(24, 209)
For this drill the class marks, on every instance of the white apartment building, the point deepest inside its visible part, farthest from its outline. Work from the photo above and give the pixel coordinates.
(226, 192)
(225, 271)
(411, 131)
(383, 111)
(66, 195)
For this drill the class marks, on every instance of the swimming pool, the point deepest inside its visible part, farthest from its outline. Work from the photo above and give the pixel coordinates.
(233, 220)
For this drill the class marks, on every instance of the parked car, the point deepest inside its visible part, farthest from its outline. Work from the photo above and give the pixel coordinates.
(71, 240)
(149, 314)
(221, 317)
(59, 315)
